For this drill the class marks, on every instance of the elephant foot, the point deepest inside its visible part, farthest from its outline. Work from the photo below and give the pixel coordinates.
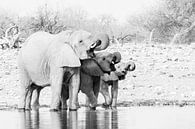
(21, 109)
(28, 109)
(113, 107)
(54, 110)
(63, 108)
(78, 106)
(106, 106)
(72, 109)
(35, 106)
(92, 108)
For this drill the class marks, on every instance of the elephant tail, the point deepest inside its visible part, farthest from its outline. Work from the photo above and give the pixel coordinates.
(45, 68)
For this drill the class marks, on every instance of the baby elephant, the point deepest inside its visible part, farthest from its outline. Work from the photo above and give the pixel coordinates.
(91, 73)
(91, 70)
(112, 80)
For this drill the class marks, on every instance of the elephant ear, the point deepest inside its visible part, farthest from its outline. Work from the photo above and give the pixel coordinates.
(91, 67)
(66, 57)
(60, 52)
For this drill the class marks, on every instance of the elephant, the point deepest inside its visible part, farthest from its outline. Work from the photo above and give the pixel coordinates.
(45, 59)
(91, 74)
(112, 80)
(91, 70)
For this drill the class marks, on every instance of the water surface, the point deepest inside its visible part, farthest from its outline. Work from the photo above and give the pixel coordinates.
(123, 118)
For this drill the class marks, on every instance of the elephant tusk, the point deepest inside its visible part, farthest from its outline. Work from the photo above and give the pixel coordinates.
(113, 62)
(97, 43)
(92, 48)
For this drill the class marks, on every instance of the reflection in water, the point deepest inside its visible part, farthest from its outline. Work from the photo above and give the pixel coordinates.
(29, 120)
(91, 120)
(73, 120)
(100, 120)
(58, 120)
(123, 118)
(68, 120)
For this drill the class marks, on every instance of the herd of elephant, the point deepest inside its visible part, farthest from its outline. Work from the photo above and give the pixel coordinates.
(69, 62)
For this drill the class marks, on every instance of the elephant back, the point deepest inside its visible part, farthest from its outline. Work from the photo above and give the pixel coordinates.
(91, 67)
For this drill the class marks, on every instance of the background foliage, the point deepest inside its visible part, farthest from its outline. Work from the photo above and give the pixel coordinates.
(171, 22)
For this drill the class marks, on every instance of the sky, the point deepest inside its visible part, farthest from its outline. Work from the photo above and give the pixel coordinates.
(120, 9)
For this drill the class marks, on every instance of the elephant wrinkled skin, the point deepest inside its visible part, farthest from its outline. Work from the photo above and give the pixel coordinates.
(90, 75)
(112, 80)
(91, 70)
(45, 59)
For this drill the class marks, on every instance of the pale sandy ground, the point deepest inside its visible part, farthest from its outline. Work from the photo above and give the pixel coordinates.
(164, 75)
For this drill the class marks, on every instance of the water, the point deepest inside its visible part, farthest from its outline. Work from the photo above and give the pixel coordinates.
(123, 118)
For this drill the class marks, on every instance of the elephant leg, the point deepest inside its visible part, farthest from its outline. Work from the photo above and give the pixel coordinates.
(56, 88)
(86, 86)
(105, 92)
(96, 86)
(77, 102)
(87, 103)
(25, 84)
(36, 95)
(74, 89)
(64, 97)
(29, 97)
(92, 99)
(114, 92)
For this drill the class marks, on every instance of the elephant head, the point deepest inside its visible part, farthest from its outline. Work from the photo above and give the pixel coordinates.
(102, 63)
(84, 44)
(122, 69)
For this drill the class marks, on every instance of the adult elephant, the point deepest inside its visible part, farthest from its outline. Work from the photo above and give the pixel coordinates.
(45, 58)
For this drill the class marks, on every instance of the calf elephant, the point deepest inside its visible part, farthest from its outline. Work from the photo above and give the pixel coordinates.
(45, 59)
(91, 70)
(90, 75)
(112, 80)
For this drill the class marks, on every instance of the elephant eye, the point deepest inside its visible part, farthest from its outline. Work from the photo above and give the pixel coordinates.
(103, 58)
(80, 41)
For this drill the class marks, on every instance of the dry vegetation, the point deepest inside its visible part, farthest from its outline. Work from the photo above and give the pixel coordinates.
(173, 21)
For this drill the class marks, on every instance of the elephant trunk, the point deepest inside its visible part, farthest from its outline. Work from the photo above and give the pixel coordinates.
(101, 42)
(90, 52)
(104, 38)
(117, 57)
(131, 66)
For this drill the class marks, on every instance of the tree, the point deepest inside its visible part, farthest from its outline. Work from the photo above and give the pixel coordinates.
(173, 17)
(46, 20)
